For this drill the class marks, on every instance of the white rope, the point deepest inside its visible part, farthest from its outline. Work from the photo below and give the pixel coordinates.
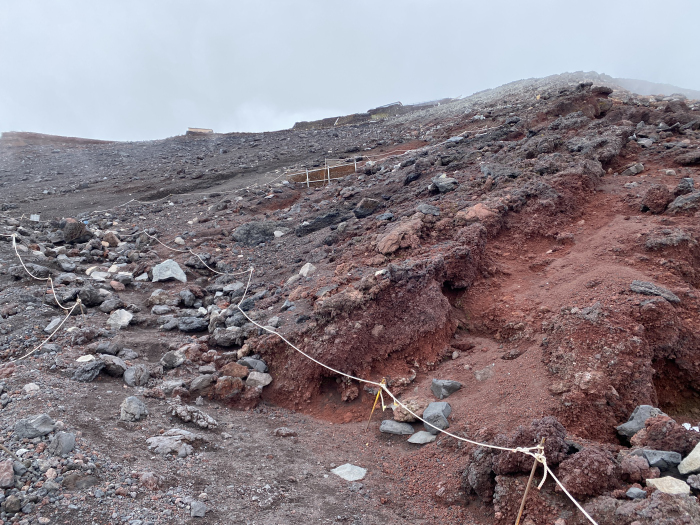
(536, 452)
(196, 255)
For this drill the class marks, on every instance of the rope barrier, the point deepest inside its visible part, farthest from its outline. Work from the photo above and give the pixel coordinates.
(536, 452)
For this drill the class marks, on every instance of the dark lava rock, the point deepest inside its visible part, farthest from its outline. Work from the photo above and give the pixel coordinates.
(365, 208)
(192, 324)
(442, 388)
(137, 375)
(32, 427)
(637, 420)
(688, 202)
(647, 288)
(256, 232)
(88, 371)
(321, 221)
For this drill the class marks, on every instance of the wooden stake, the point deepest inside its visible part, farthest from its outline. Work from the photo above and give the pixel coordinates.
(527, 488)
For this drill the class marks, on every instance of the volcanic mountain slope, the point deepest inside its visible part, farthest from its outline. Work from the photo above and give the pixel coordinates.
(536, 243)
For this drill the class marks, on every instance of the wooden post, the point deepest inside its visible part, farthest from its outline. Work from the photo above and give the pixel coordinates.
(527, 488)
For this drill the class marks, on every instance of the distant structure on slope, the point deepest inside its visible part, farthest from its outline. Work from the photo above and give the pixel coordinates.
(199, 131)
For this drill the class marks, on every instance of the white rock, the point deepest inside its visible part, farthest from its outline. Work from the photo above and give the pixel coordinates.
(119, 319)
(30, 388)
(258, 379)
(100, 276)
(669, 485)
(52, 325)
(180, 241)
(168, 270)
(278, 233)
(422, 437)
(350, 472)
(691, 463)
(307, 270)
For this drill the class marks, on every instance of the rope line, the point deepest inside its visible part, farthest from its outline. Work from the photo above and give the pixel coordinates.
(536, 452)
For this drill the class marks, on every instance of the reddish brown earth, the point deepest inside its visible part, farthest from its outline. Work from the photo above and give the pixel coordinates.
(519, 289)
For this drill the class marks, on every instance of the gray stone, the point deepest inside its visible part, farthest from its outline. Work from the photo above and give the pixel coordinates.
(188, 298)
(258, 379)
(385, 216)
(255, 232)
(39, 271)
(444, 184)
(137, 375)
(19, 468)
(647, 288)
(192, 324)
(161, 309)
(274, 322)
(53, 324)
(688, 202)
(168, 386)
(366, 207)
(422, 437)
(119, 319)
(88, 371)
(645, 143)
(90, 296)
(198, 509)
(231, 336)
(63, 444)
(255, 364)
(192, 414)
(110, 305)
(637, 419)
(201, 382)
(168, 270)
(132, 409)
(124, 278)
(442, 388)
(350, 472)
(427, 209)
(635, 493)
(661, 458)
(685, 186)
(13, 504)
(634, 169)
(389, 426)
(32, 427)
(114, 366)
(127, 354)
(436, 415)
(234, 287)
(174, 441)
(172, 359)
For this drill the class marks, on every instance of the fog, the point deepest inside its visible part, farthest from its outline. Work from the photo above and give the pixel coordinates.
(135, 70)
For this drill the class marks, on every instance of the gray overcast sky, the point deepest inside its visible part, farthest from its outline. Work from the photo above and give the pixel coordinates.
(148, 69)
